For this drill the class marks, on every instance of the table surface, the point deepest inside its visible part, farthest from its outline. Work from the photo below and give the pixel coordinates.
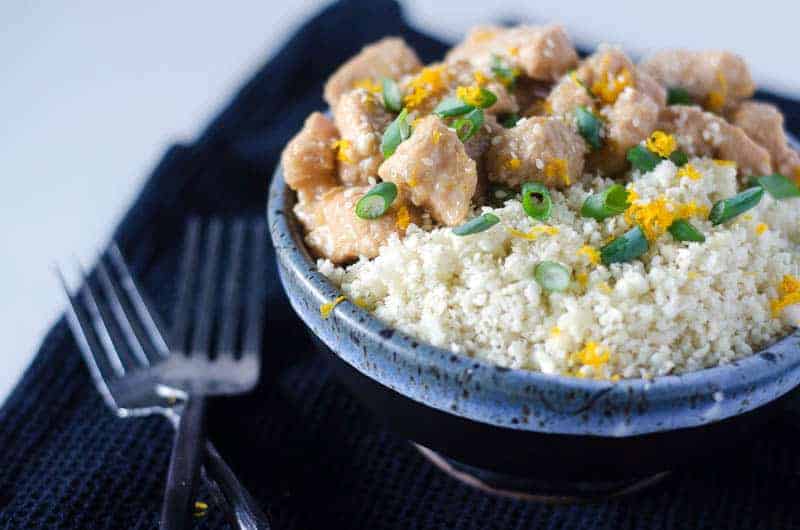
(93, 93)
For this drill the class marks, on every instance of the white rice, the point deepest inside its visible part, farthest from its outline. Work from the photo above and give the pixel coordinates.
(681, 307)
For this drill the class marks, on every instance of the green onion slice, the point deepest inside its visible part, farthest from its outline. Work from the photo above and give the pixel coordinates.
(507, 75)
(626, 247)
(589, 126)
(551, 276)
(727, 209)
(451, 106)
(486, 99)
(610, 202)
(392, 97)
(509, 120)
(468, 125)
(683, 230)
(536, 200)
(679, 158)
(779, 186)
(376, 201)
(477, 224)
(642, 158)
(396, 133)
(678, 96)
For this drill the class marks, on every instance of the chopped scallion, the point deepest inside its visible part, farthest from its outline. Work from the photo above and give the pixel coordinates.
(610, 202)
(396, 133)
(779, 186)
(452, 106)
(626, 247)
(486, 98)
(477, 224)
(506, 75)
(551, 276)
(727, 209)
(642, 158)
(679, 158)
(536, 200)
(392, 97)
(466, 126)
(509, 120)
(376, 201)
(678, 96)
(683, 230)
(589, 126)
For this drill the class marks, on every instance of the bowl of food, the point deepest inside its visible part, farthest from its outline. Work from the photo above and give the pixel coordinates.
(557, 276)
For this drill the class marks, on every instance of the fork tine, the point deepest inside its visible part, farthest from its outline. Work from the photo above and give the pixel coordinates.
(121, 317)
(99, 325)
(205, 309)
(254, 325)
(99, 369)
(181, 319)
(231, 291)
(146, 317)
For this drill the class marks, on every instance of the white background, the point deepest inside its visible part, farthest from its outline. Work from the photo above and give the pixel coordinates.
(92, 92)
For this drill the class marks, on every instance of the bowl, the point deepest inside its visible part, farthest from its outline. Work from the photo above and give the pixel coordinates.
(527, 433)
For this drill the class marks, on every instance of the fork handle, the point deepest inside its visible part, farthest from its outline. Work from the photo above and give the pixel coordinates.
(246, 513)
(184, 466)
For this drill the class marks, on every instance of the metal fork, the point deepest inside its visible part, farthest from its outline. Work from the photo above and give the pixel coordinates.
(128, 358)
(202, 364)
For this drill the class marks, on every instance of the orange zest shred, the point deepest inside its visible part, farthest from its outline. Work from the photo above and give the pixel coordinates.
(690, 172)
(661, 143)
(370, 85)
(582, 278)
(513, 163)
(722, 162)
(513, 51)
(717, 98)
(761, 228)
(534, 232)
(326, 308)
(436, 136)
(480, 78)
(403, 218)
(555, 331)
(430, 81)
(789, 290)
(656, 216)
(592, 354)
(796, 174)
(557, 168)
(342, 148)
(608, 85)
(470, 95)
(591, 253)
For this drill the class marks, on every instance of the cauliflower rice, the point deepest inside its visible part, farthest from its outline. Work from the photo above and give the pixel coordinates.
(680, 307)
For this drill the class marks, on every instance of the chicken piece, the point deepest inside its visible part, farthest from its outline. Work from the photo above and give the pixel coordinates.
(308, 160)
(567, 95)
(764, 124)
(390, 57)
(609, 71)
(436, 169)
(530, 94)
(544, 149)
(631, 119)
(438, 81)
(702, 133)
(361, 120)
(539, 52)
(715, 79)
(334, 231)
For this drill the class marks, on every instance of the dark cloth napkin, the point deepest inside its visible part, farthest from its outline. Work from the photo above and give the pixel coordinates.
(306, 449)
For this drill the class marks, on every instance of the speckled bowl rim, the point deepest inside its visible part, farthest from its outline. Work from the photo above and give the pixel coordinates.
(513, 398)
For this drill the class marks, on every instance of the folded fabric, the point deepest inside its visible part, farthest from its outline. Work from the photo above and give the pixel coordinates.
(304, 447)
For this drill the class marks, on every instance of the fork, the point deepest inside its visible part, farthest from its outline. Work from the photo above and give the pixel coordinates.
(126, 354)
(213, 351)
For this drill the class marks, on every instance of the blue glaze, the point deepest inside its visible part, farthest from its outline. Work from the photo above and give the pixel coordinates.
(518, 399)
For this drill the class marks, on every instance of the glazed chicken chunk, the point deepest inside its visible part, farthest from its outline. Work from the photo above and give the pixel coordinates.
(436, 170)
(390, 57)
(333, 231)
(361, 119)
(714, 79)
(544, 149)
(309, 161)
(764, 124)
(702, 133)
(539, 52)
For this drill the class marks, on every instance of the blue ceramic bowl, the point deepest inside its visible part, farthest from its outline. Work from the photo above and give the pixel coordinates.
(516, 421)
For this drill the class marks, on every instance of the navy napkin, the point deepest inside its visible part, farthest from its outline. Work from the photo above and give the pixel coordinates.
(307, 450)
